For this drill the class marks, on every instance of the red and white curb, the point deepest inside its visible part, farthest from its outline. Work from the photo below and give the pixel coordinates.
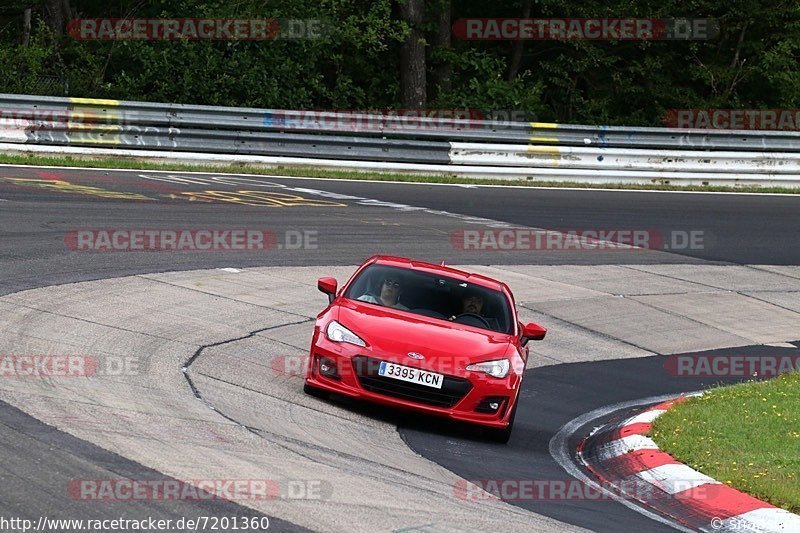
(621, 455)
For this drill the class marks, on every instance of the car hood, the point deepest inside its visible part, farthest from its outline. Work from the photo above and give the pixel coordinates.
(390, 332)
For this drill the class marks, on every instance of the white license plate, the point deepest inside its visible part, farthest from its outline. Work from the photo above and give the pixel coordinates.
(411, 375)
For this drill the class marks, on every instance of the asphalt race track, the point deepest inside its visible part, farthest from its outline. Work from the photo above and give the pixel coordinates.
(720, 275)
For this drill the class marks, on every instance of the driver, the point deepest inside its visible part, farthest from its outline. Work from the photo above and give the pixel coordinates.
(473, 302)
(391, 289)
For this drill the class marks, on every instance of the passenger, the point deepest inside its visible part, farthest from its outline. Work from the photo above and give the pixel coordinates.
(391, 289)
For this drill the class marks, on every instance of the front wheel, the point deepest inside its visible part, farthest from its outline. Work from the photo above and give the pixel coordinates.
(503, 435)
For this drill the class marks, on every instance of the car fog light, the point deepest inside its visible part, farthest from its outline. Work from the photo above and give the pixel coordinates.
(490, 405)
(327, 367)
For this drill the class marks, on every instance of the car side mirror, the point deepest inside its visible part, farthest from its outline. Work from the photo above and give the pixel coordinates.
(328, 286)
(532, 332)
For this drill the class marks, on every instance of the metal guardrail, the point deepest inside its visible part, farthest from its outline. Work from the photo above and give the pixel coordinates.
(568, 157)
(250, 143)
(368, 142)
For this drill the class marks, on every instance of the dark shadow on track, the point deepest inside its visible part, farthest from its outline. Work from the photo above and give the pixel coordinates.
(34, 488)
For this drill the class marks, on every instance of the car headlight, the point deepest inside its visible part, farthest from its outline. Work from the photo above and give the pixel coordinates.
(496, 369)
(338, 333)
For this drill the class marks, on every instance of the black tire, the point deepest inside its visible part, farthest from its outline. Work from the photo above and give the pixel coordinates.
(315, 392)
(502, 436)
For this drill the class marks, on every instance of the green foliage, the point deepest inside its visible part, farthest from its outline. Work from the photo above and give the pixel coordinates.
(356, 63)
(479, 83)
(746, 436)
(31, 69)
(294, 74)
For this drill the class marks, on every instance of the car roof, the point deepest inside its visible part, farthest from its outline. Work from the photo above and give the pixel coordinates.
(461, 275)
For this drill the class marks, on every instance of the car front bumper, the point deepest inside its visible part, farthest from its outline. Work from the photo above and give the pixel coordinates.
(465, 396)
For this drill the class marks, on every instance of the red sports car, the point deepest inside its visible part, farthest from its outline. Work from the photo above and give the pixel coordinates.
(424, 337)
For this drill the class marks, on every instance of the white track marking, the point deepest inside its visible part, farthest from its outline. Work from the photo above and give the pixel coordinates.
(562, 454)
(476, 185)
(764, 519)
(674, 478)
(645, 418)
(628, 444)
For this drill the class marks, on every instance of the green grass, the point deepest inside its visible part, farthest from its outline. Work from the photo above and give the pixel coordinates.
(746, 435)
(143, 164)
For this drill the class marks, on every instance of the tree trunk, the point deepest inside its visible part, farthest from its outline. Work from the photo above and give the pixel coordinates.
(519, 46)
(442, 40)
(26, 27)
(413, 82)
(56, 15)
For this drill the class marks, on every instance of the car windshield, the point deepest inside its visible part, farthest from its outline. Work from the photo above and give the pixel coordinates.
(433, 295)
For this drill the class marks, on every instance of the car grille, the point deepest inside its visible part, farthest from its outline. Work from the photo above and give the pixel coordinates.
(452, 391)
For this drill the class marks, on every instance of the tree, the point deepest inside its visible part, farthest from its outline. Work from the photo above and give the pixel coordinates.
(413, 80)
(378, 54)
(519, 46)
(56, 15)
(26, 27)
(442, 70)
